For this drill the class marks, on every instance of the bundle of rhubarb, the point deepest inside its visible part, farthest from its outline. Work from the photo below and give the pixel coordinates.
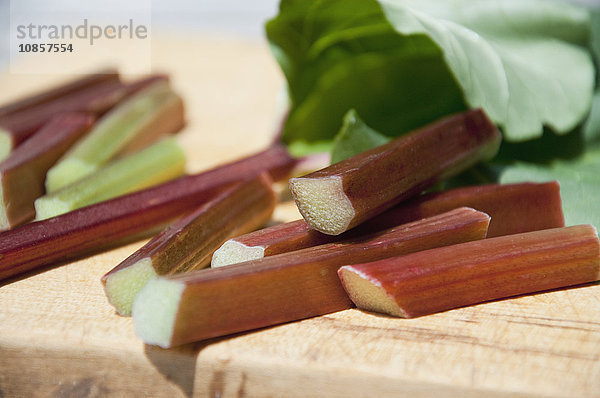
(90, 163)
(369, 238)
(409, 219)
(385, 227)
(68, 150)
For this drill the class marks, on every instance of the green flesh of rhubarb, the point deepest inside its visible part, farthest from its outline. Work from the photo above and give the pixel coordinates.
(3, 215)
(156, 315)
(6, 144)
(111, 135)
(123, 286)
(188, 243)
(158, 163)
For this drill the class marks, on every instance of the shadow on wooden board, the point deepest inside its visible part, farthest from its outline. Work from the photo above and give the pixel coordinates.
(177, 365)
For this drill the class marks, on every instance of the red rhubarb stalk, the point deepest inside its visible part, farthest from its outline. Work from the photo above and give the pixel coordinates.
(513, 208)
(188, 244)
(348, 193)
(126, 218)
(197, 305)
(22, 174)
(67, 88)
(444, 278)
(17, 127)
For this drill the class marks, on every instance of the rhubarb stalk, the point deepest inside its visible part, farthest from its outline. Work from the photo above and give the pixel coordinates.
(158, 163)
(188, 244)
(22, 173)
(151, 113)
(444, 278)
(127, 218)
(17, 127)
(67, 88)
(345, 194)
(197, 305)
(97, 99)
(513, 208)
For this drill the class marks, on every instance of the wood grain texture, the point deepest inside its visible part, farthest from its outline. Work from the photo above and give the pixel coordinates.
(60, 337)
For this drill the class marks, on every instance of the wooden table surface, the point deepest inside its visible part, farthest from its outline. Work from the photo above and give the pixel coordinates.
(59, 336)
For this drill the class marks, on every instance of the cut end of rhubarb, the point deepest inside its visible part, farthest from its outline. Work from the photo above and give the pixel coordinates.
(66, 172)
(122, 286)
(4, 223)
(233, 252)
(323, 203)
(6, 144)
(368, 295)
(155, 310)
(48, 207)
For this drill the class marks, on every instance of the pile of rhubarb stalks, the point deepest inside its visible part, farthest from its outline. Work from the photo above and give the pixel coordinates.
(369, 238)
(66, 151)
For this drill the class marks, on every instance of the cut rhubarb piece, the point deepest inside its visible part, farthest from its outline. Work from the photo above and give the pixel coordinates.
(151, 113)
(163, 126)
(22, 173)
(67, 88)
(345, 194)
(127, 218)
(455, 276)
(278, 239)
(188, 244)
(513, 208)
(17, 127)
(197, 305)
(158, 163)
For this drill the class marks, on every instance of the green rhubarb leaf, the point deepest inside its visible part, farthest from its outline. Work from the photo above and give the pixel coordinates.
(525, 62)
(402, 64)
(301, 148)
(591, 129)
(343, 54)
(579, 177)
(354, 137)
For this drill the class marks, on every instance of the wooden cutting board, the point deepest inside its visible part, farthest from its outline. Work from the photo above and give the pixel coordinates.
(59, 336)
